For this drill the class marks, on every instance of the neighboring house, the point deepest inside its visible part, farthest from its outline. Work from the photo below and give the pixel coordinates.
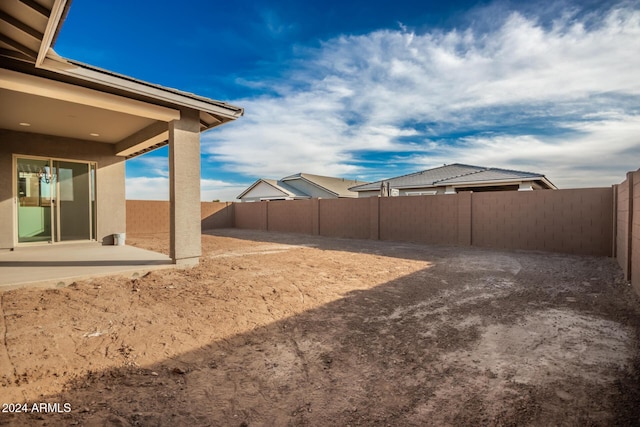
(67, 128)
(450, 179)
(299, 186)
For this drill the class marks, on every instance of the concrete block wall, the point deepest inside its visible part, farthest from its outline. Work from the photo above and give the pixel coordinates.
(635, 234)
(576, 221)
(424, 219)
(589, 221)
(147, 216)
(290, 216)
(217, 215)
(152, 216)
(251, 216)
(622, 225)
(627, 230)
(336, 218)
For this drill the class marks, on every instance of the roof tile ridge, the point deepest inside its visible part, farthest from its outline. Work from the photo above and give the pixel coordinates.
(481, 169)
(408, 174)
(513, 170)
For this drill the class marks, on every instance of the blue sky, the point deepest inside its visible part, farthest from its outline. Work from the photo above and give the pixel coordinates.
(370, 90)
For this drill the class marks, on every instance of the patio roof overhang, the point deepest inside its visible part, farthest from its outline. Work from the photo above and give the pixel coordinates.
(41, 92)
(44, 93)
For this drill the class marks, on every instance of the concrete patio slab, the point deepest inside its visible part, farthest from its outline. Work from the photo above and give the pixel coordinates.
(61, 264)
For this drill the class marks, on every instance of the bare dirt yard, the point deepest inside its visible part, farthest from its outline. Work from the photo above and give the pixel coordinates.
(279, 329)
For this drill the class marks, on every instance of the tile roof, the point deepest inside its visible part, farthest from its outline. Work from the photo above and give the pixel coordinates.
(338, 186)
(287, 185)
(455, 173)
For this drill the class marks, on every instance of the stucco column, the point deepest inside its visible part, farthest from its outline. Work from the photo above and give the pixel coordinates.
(184, 188)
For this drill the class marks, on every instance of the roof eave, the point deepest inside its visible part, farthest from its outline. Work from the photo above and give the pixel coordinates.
(466, 183)
(487, 181)
(286, 193)
(88, 73)
(549, 183)
(282, 190)
(249, 189)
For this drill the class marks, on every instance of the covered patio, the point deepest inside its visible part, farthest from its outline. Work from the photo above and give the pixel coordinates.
(67, 129)
(46, 266)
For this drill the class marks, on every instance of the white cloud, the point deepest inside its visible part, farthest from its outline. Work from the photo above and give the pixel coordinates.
(212, 189)
(599, 156)
(144, 188)
(380, 91)
(151, 165)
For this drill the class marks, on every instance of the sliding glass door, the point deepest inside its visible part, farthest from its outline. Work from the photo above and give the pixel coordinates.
(73, 213)
(56, 200)
(35, 198)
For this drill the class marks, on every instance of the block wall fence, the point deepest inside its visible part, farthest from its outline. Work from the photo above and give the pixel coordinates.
(152, 216)
(586, 221)
(627, 227)
(578, 221)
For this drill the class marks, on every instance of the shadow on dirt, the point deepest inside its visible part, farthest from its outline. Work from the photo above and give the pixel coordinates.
(402, 353)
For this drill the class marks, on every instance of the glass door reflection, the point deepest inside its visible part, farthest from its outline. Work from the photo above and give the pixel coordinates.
(36, 182)
(55, 200)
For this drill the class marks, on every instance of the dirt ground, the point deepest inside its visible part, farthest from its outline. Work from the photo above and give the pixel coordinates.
(279, 329)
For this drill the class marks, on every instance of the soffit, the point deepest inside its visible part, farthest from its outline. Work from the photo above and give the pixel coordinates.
(65, 119)
(23, 24)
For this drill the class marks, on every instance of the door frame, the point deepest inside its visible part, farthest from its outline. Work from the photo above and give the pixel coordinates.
(92, 166)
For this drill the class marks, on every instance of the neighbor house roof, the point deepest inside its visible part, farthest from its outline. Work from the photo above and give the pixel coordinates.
(455, 174)
(339, 187)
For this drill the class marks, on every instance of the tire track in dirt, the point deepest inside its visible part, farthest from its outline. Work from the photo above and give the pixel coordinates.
(6, 365)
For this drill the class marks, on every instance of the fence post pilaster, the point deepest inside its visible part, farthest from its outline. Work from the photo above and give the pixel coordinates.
(315, 216)
(629, 248)
(374, 218)
(464, 218)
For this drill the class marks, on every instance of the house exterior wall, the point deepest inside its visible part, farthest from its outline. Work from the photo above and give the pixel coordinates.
(426, 191)
(362, 194)
(405, 191)
(513, 186)
(110, 179)
(260, 191)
